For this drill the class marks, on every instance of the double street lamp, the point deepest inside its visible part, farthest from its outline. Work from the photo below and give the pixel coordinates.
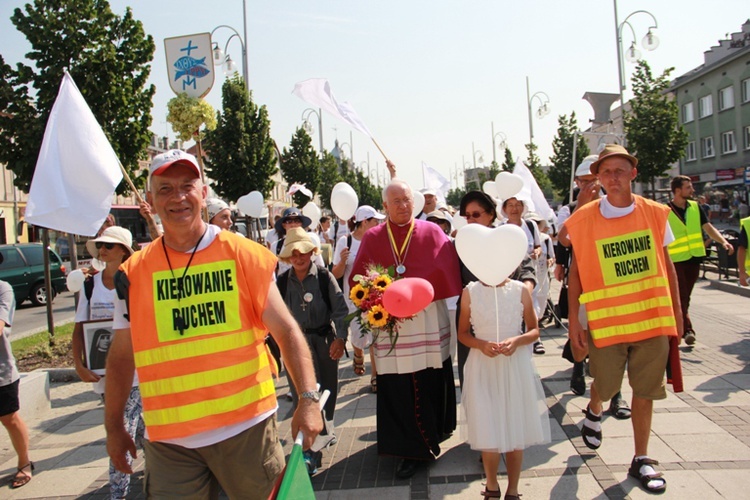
(474, 153)
(541, 112)
(502, 145)
(650, 42)
(222, 58)
(307, 126)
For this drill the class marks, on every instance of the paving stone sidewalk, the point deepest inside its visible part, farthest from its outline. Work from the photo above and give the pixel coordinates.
(701, 436)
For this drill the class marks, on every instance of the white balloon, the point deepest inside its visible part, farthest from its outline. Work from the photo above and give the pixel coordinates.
(251, 204)
(98, 265)
(344, 200)
(459, 221)
(489, 188)
(311, 210)
(75, 280)
(508, 185)
(506, 244)
(418, 202)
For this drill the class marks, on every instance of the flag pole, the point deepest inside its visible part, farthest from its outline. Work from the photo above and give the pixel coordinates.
(379, 148)
(130, 182)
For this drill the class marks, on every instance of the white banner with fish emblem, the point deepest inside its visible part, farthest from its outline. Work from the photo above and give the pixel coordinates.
(190, 64)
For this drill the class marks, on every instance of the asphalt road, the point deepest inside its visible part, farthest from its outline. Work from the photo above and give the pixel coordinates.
(30, 319)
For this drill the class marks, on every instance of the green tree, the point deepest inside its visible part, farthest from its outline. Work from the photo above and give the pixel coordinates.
(562, 157)
(535, 166)
(652, 127)
(300, 164)
(508, 162)
(453, 198)
(242, 156)
(329, 177)
(107, 55)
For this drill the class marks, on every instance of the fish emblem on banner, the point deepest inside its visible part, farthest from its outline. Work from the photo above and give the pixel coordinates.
(190, 64)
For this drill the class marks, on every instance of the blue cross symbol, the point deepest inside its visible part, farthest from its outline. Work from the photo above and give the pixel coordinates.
(189, 47)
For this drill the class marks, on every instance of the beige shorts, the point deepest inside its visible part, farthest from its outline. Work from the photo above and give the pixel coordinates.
(246, 466)
(646, 362)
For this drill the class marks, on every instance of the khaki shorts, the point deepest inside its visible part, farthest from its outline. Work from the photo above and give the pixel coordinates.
(646, 363)
(245, 465)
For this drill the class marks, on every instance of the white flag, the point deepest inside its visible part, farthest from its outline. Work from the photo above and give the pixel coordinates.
(77, 170)
(317, 91)
(532, 192)
(435, 180)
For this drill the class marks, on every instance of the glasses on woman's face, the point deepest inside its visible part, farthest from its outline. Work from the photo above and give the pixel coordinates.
(474, 215)
(108, 246)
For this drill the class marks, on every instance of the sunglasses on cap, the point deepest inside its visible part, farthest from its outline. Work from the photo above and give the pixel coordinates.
(108, 246)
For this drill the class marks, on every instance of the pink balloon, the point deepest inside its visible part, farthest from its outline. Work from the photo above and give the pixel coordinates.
(408, 296)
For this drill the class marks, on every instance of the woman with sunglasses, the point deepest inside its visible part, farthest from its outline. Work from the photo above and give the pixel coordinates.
(97, 303)
(479, 208)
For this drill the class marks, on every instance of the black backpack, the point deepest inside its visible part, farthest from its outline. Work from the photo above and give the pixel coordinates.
(323, 284)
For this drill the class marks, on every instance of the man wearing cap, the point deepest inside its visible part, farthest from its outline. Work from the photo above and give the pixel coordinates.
(622, 272)
(191, 318)
(416, 400)
(688, 222)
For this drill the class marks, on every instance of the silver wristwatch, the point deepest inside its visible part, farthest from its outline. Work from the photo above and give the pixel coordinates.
(314, 395)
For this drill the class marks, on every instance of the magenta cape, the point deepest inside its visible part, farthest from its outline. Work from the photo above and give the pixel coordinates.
(431, 256)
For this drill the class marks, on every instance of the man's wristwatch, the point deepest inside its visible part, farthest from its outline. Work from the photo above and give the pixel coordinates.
(314, 395)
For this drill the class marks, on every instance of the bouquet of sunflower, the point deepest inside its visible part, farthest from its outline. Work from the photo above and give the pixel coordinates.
(367, 295)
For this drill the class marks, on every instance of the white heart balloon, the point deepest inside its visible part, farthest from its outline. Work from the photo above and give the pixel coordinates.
(506, 244)
(98, 264)
(418, 202)
(75, 280)
(508, 185)
(311, 210)
(489, 188)
(459, 221)
(251, 204)
(344, 200)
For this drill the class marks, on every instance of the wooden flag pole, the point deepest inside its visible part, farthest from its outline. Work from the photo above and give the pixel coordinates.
(379, 148)
(130, 182)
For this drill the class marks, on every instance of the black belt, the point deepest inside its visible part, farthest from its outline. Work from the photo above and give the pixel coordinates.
(323, 331)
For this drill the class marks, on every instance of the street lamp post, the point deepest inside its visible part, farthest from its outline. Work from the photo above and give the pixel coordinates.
(503, 142)
(650, 42)
(221, 58)
(307, 126)
(541, 112)
(474, 155)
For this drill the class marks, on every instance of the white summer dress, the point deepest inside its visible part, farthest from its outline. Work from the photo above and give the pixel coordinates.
(502, 403)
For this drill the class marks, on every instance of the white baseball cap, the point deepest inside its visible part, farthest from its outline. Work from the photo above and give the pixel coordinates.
(162, 162)
(585, 167)
(367, 212)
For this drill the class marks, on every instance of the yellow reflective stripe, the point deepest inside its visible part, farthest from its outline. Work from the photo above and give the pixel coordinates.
(197, 347)
(620, 290)
(201, 409)
(633, 328)
(634, 308)
(184, 383)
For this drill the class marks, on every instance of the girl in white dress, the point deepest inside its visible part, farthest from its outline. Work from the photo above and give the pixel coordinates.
(502, 401)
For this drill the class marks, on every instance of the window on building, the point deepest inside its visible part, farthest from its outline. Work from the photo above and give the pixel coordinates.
(747, 137)
(690, 151)
(726, 98)
(707, 147)
(687, 113)
(746, 90)
(727, 142)
(705, 106)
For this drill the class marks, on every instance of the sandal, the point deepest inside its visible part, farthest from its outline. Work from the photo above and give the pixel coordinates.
(618, 408)
(513, 497)
(492, 493)
(588, 432)
(22, 478)
(359, 365)
(374, 383)
(647, 479)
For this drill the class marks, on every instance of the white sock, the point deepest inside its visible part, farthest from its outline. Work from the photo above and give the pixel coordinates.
(591, 424)
(647, 470)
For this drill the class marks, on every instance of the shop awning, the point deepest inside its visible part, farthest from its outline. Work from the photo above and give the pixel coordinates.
(732, 182)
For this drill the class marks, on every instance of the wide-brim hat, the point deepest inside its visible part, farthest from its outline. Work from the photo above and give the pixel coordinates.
(113, 234)
(162, 162)
(478, 197)
(297, 239)
(289, 213)
(610, 151)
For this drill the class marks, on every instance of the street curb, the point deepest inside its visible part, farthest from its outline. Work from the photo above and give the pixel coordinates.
(730, 287)
(60, 374)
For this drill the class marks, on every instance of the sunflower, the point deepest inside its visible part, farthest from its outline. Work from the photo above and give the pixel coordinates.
(358, 293)
(377, 316)
(382, 281)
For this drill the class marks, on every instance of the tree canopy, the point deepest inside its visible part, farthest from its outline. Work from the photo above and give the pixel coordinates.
(241, 153)
(108, 57)
(508, 162)
(300, 164)
(652, 127)
(562, 157)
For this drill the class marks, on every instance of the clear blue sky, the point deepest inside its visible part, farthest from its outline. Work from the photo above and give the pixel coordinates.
(427, 77)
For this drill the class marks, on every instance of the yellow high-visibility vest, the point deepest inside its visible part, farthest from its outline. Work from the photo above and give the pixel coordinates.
(688, 235)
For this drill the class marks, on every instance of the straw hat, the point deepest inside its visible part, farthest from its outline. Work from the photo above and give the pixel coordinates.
(297, 239)
(113, 234)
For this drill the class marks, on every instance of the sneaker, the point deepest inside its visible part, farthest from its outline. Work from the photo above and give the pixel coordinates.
(311, 461)
(539, 347)
(689, 337)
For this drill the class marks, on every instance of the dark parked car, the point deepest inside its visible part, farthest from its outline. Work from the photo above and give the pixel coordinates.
(22, 266)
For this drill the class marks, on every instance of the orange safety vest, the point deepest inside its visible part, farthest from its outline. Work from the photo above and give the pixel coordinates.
(216, 372)
(623, 272)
